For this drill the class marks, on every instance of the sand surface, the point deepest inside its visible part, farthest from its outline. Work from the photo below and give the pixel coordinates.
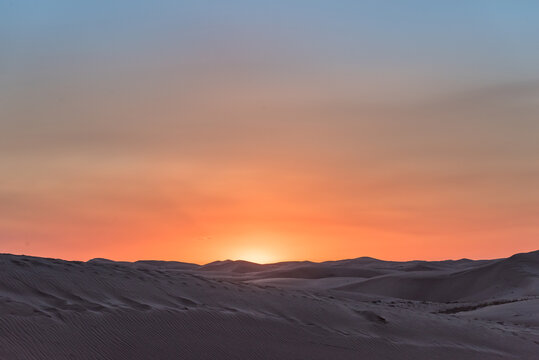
(352, 309)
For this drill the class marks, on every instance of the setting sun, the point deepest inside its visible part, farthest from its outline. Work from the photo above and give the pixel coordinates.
(259, 256)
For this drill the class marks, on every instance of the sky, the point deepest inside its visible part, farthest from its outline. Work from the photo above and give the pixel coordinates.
(269, 131)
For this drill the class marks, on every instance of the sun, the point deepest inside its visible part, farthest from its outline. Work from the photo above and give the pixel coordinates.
(259, 256)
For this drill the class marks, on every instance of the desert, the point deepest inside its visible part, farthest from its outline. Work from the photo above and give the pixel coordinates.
(349, 309)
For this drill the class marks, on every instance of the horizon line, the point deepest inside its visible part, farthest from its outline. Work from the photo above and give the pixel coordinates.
(269, 263)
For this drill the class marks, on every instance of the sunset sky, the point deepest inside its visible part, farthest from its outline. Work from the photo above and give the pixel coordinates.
(269, 131)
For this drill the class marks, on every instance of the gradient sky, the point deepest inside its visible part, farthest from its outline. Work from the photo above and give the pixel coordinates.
(277, 130)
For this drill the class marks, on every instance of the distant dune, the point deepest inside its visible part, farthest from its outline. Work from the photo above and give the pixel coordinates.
(351, 309)
(517, 276)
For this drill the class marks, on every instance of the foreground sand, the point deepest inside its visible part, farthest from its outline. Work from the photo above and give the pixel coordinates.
(352, 309)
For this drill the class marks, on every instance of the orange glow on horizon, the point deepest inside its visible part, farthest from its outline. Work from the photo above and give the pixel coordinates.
(264, 216)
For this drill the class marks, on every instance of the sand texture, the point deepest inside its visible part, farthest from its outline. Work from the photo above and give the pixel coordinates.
(351, 309)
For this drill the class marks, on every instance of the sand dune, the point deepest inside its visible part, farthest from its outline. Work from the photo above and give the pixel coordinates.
(517, 276)
(350, 309)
